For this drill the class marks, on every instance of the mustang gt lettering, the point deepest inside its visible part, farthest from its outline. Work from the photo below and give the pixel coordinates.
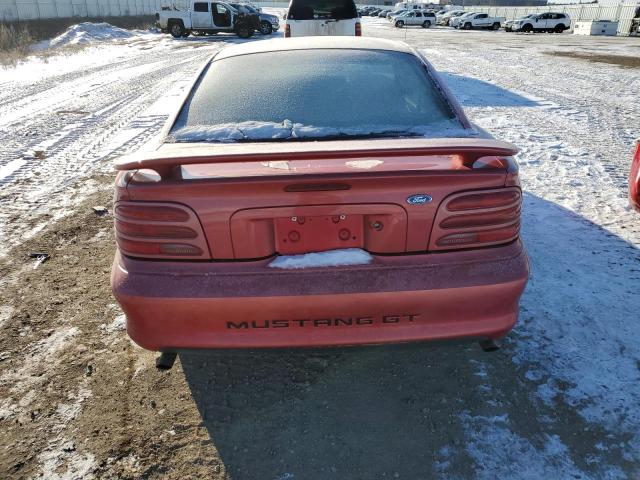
(324, 322)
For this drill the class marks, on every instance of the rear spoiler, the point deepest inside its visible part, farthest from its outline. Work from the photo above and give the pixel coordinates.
(170, 156)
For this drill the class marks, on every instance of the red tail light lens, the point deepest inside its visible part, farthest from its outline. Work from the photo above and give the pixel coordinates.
(358, 29)
(482, 219)
(151, 213)
(159, 230)
(478, 201)
(287, 30)
(477, 219)
(486, 236)
(154, 231)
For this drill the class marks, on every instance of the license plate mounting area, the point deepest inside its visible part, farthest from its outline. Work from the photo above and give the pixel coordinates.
(303, 234)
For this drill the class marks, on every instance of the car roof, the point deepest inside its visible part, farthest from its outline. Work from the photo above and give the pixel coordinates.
(313, 43)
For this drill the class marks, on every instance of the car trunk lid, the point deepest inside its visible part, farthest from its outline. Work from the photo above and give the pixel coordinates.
(381, 196)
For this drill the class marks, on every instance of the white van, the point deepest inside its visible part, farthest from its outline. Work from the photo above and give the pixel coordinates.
(322, 17)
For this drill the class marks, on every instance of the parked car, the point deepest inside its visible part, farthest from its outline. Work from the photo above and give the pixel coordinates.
(395, 12)
(634, 179)
(208, 18)
(268, 23)
(314, 219)
(544, 22)
(415, 17)
(508, 25)
(393, 17)
(480, 21)
(322, 17)
(455, 21)
(383, 13)
(443, 18)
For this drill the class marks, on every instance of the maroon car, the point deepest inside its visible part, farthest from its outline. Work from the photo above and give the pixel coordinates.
(634, 179)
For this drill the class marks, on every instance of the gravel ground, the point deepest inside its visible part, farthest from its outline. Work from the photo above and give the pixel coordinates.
(79, 400)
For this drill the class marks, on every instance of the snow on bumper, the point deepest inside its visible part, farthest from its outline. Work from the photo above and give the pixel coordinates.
(184, 305)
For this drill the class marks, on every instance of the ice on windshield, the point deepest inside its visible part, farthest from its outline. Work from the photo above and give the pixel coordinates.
(287, 130)
(315, 94)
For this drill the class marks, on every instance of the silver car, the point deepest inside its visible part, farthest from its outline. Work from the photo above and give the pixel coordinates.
(508, 25)
(424, 19)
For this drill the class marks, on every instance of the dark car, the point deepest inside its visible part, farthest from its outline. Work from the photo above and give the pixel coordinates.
(268, 23)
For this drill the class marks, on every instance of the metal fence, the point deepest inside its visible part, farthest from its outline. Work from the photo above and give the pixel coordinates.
(622, 13)
(17, 10)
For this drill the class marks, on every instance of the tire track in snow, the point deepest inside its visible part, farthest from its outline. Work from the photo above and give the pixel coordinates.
(74, 142)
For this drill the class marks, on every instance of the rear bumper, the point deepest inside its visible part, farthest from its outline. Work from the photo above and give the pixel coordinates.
(188, 305)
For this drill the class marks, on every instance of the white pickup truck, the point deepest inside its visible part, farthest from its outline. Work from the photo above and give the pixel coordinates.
(209, 17)
(479, 20)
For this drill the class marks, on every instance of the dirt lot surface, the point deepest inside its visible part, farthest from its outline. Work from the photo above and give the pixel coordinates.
(559, 400)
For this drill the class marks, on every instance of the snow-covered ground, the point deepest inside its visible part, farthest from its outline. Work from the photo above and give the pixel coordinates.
(561, 400)
(575, 122)
(63, 118)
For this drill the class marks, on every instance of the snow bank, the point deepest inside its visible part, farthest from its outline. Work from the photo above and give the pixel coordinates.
(252, 130)
(87, 32)
(330, 258)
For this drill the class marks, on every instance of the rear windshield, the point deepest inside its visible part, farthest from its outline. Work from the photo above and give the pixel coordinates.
(314, 94)
(318, 9)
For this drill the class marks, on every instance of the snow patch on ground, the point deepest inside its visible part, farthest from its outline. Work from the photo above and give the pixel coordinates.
(40, 357)
(5, 314)
(70, 411)
(61, 461)
(87, 32)
(500, 453)
(330, 258)
(118, 325)
(579, 296)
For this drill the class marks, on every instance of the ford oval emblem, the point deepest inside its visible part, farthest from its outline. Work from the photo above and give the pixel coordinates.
(419, 199)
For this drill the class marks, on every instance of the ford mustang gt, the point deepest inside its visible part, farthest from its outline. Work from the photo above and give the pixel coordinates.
(288, 209)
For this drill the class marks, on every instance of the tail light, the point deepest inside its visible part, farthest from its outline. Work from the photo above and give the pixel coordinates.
(477, 219)
(358, 29)
(159, 230)
(287, 30)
